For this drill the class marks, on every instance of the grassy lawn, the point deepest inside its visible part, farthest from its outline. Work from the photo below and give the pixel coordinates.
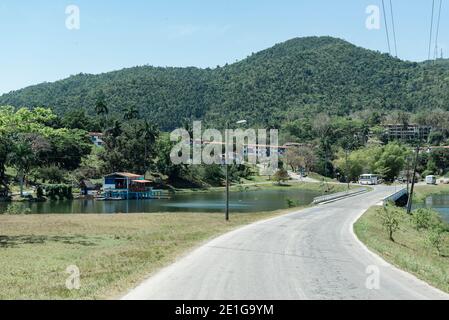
(113, 252)
(319, 177)
(409, 252)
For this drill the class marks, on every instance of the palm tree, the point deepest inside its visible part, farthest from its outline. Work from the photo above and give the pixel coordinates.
(101, 108)
(115, 130)
(149, 135)
(130, 113)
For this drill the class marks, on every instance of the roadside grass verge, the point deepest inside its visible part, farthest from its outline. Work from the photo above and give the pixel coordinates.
(410, 251)
(112, 252)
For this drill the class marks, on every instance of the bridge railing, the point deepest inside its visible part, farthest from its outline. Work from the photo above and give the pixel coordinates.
(395, 196)
(339, 195)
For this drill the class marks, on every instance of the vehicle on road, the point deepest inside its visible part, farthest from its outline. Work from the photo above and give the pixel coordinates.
(369, 179)
(431, 180)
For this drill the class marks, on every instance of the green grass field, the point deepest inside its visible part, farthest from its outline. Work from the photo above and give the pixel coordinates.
(113, 252)
(409, 252)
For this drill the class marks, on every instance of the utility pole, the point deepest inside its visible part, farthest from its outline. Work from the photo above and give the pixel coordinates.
(410, 196)
(227, 170)
(408, 174)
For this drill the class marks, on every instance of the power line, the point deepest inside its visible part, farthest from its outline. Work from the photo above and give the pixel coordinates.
(394, 28)
(431, 29)
(386, 25)
(438, 29)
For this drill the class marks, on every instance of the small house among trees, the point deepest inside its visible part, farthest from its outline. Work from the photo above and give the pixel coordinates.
(88, 188)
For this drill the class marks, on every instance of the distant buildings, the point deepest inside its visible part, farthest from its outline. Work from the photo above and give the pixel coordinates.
(407, 132)
(96, 138)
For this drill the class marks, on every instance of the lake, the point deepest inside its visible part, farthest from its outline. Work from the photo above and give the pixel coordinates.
(439, 202)
(243, 202)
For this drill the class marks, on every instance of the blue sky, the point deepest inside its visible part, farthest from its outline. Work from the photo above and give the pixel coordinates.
(36, 46)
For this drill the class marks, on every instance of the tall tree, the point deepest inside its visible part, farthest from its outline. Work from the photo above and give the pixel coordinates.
(130, 113)
(22, 158)
(130, 147)
(100, 107)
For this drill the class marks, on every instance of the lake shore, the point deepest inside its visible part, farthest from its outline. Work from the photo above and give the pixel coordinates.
(271, 185)
(248, 198)
(424, 191)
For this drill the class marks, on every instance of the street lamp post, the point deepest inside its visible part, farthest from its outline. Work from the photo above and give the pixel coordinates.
(227, 165)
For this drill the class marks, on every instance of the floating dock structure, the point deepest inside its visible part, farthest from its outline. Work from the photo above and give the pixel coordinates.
(129, 186)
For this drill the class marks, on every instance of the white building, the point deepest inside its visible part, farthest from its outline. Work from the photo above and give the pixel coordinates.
(96, 138)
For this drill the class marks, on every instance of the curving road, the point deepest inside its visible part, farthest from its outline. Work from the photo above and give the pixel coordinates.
(311, 254)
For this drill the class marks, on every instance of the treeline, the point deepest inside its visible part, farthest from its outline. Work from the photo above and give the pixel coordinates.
(292, 80)
(53, 153)
(31, 141)
(346, 147)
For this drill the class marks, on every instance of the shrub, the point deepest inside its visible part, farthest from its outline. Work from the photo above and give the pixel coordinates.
(425, 219)
(58, 191)
(435, 238)
(17, 209)
(291, 203)
(422, 219)
(281, 176)
(390, 217)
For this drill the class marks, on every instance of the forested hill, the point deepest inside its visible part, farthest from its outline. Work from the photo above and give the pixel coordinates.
(300, 77)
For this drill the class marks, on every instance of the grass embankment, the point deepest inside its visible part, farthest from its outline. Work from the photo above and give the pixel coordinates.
(113, 252)
(409, 252)
(423, 191)
(270, 185)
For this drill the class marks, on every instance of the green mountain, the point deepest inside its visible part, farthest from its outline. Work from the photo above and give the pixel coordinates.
(297, 78)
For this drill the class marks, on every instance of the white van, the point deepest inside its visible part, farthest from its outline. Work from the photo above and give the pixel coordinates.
(431, 180)
(369, 179)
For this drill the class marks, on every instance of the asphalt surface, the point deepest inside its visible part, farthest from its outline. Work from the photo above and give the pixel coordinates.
(310, 254)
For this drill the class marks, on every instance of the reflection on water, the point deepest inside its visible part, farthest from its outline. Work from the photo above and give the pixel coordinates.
(252, 201)
(439, 203)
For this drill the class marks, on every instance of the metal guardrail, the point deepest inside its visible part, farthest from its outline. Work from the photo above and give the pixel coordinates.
(340, 195)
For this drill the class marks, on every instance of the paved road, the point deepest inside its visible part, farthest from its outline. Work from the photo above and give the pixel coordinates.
(312, 254)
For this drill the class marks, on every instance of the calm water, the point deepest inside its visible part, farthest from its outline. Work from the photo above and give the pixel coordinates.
(251, 201)
(439, 203)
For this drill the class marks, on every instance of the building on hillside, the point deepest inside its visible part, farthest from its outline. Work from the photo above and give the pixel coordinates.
(124, 186)
(96, 138)
(407, 132)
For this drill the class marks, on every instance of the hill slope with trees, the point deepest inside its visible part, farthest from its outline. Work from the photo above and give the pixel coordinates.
(297, 78)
